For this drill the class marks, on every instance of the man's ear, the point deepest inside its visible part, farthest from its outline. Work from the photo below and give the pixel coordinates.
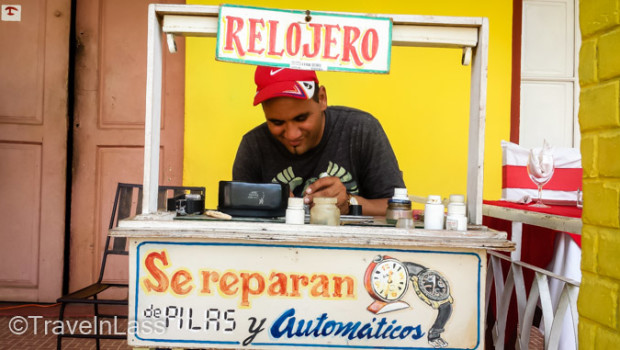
(323, 97)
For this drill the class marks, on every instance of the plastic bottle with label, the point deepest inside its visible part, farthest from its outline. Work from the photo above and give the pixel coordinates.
(433, 213)
(456, 219)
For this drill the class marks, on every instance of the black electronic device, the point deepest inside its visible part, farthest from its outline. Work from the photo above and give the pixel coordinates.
(187, 204)
(252, 199)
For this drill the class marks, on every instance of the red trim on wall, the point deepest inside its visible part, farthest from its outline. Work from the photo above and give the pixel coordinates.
(515, 86)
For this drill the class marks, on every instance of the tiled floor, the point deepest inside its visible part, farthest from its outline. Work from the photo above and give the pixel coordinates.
(42, 325)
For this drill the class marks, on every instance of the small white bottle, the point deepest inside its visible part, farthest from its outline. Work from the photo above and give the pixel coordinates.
(433, 213)
(456, 219)
(295, 213)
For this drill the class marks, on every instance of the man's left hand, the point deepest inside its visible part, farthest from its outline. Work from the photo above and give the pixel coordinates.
(329, 187)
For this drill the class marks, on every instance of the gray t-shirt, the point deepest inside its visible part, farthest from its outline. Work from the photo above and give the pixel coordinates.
(354, 147)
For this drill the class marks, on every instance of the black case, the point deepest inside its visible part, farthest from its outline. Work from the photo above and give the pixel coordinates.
(253, 199)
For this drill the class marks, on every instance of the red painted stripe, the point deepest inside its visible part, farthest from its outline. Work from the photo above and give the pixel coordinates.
(564, 179)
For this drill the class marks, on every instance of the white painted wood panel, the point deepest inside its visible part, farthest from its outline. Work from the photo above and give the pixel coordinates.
(546, 113)
(547, 39)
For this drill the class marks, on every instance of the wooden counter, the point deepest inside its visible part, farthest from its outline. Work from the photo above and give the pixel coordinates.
(277, 286)
(162, 225)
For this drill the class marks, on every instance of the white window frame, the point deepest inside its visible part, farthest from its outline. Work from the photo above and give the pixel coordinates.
(568, 78)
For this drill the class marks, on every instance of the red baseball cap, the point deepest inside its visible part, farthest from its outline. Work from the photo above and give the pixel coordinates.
(275, 81)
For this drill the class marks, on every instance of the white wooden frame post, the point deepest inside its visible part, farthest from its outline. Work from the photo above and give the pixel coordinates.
(152, 120)
(469, 33)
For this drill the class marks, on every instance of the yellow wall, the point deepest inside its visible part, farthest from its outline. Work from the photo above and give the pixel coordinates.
(599, 120)
(423, 104)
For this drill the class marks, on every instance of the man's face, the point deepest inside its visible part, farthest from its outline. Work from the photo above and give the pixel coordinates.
(297, 124)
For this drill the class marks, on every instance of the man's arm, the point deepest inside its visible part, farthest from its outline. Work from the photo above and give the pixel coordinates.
(333, 187)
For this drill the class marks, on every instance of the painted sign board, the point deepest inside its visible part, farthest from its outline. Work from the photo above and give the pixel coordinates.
(202, 294)
(11, 13)
(304, 39)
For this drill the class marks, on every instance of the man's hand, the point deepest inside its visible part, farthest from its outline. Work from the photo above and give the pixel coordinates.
(330, 186)
(333, 187)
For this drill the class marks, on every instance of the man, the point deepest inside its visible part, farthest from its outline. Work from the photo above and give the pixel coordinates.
(318, 151)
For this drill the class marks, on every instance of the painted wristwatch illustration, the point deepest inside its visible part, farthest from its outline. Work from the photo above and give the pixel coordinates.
(387, 281)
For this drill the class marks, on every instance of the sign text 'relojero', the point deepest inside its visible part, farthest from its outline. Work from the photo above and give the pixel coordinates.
(303, 40)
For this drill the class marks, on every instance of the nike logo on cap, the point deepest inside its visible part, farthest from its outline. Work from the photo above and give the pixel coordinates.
(276, 71)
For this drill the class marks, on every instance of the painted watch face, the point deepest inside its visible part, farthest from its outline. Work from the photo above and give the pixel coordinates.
(433, 285)
(389, 279)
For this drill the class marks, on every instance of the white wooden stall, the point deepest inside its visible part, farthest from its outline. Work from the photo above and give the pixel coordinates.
(469, 33)
(229, 284)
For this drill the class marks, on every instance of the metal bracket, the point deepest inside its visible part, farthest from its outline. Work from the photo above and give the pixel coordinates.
(172, 45)
(466, 60)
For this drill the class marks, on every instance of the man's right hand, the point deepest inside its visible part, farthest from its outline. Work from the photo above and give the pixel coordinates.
(330, 186)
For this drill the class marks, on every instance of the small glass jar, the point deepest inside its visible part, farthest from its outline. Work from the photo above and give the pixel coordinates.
(405, 223)
(398, 209)
(325, 211)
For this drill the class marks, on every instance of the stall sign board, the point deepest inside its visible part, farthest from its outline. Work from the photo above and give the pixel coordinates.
(200, 294)
(304, 39)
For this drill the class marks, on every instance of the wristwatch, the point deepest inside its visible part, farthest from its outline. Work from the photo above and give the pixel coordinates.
(351, 200)
(355, 208)
(432, 288)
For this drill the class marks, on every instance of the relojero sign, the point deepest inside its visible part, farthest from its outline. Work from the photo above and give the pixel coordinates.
(304, 39)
